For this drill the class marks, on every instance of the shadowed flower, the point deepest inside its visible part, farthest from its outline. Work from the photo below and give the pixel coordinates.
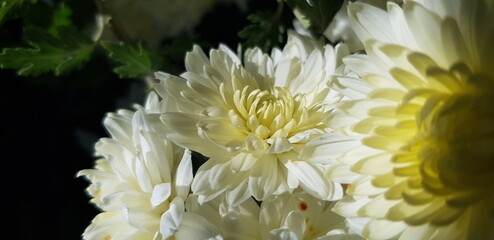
(263, 124)
(423, 109)
(295, 216)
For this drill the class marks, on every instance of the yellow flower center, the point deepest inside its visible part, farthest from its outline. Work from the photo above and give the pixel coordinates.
(463, 132)
(454, 144)
(274, 114)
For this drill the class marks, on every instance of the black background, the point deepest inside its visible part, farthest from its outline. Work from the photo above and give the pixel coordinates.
(50, 124)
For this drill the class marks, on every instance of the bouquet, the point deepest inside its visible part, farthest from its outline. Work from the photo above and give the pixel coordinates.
(330, 120)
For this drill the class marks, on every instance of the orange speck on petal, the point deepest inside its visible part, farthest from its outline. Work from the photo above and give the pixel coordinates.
(311, 228)
(303, 206)
(107, 237)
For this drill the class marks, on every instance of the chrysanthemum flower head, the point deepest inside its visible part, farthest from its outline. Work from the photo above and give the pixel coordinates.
(255, 120)
(424, 114)
(141, 180)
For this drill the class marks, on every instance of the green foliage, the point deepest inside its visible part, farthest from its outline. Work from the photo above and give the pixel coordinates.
(6, 7)
(136, 61)
(319, 13)
(266, 31)
(47, 53)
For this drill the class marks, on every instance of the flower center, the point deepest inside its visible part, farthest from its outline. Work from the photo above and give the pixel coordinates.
(274, 114)
(459, 142)
(454, 144)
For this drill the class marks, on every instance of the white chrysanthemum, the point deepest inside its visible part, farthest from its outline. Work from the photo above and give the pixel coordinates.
(425, 117)
(142, 180)
(263, 124)
(301, 216)
(216, 219)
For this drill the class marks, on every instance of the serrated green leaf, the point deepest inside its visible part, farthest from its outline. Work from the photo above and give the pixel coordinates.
(137, 61)
(319, 13)
(265, 32)
(60, 55)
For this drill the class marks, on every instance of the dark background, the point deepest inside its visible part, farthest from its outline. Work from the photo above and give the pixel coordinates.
(50, 124)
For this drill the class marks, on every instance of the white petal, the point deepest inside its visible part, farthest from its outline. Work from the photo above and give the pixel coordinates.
(182, 130)
(222, 133)
(352, 88)
(295, 221)
(325, 149)
(152, 102)
(348, 206)
(400, 27)
(195, 226)
(279, 145)
(196, 60)
(140, 220)
(142, 175)
(184, 175)
(262, 177)
(425, 26)
(172, 218)
(370, 22)
(230, 53)
(286, 71)
(382, 229)
(161, 192)
(283, 234)
(313, 181)
(238, 194)
(120, 128)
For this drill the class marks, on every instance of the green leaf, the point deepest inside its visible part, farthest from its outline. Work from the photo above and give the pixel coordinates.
(266, 31)
(6, 7)
(61, 18)
(136, 61)
(60, 55)
(319, 13)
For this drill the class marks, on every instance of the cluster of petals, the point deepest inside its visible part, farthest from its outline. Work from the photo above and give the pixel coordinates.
(422, 111)
(294, 216)
(141, 181)
(263, 123)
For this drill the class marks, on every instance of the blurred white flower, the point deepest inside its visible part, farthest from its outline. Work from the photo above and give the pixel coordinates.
(155, 20)
(301, 216)
(263, 123)
(423, 111)
(142, 179)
